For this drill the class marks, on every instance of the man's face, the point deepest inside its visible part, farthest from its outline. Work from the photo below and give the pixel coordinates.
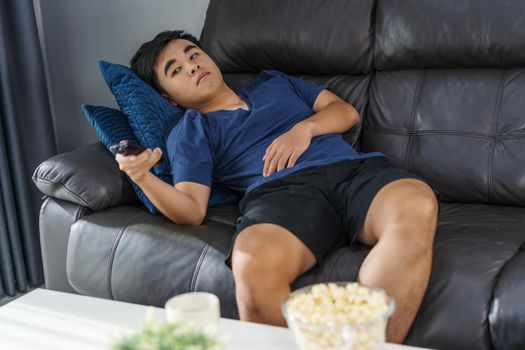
(189, 76)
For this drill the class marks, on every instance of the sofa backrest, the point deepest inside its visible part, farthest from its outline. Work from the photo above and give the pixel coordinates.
(322, 41)
(439, 84)
(447, 100)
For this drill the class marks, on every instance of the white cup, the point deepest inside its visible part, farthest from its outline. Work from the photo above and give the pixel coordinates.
(200, 309)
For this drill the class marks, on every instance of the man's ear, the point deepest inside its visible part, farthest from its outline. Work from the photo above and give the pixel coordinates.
(169, 99)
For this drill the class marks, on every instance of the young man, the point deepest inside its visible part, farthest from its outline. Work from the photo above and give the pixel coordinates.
(306, 191)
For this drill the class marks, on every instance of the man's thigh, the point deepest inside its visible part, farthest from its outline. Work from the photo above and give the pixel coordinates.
(398, 202)
(377, 182)
(300, 207)
(274, 247)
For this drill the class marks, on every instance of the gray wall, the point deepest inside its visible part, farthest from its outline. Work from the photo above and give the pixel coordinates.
(75, 34)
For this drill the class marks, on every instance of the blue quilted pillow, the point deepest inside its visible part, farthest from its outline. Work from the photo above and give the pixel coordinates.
(112, 126)
(149, 114)
(151, 117)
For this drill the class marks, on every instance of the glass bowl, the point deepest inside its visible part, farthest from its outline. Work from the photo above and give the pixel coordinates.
(338, 315)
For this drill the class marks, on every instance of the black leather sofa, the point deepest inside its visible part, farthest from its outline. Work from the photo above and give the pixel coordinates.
(440, 86)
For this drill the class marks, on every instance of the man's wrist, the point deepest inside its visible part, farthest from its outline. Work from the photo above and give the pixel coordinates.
(306, 126)
(142, 179)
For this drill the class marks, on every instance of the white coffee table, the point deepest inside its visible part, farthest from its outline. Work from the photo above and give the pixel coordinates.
(45, 319)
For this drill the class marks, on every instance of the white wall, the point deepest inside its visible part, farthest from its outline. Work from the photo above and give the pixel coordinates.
(75, 34)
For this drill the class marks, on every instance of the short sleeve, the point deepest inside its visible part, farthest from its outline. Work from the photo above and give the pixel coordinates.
(189, 151)
(306, 90)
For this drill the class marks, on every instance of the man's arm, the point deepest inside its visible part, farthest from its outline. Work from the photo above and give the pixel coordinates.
(185, 203)
(332, 116)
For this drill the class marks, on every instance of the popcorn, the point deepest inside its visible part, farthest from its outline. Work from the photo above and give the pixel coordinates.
(343, 316)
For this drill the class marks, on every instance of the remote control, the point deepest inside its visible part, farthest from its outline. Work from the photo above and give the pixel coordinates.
(128, 148)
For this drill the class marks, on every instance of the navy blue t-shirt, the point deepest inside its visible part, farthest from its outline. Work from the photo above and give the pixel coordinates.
(227, 146)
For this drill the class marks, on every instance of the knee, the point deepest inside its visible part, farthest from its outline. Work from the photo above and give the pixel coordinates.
(416, 216)
(254, 260)
(422, 205)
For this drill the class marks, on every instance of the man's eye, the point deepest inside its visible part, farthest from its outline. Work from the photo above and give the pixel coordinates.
(175, 71)
(195, 54)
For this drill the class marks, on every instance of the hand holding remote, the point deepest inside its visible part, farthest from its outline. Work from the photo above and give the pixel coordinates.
(127, 148)
(135, 160)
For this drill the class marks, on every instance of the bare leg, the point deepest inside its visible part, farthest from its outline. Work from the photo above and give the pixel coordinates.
(405, 278)
(266, 259)
(401, 223)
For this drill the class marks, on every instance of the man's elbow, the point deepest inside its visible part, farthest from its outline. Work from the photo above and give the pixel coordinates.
(354, 116)
(190, 221)
(349, 111)
(195, 214)
(198, 219)
(193, 221)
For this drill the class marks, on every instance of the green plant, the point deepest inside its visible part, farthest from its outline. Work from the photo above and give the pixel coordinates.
(168, 336)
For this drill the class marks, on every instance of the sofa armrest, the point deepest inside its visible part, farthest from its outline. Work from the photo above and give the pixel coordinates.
(56, 218)
(88, 176)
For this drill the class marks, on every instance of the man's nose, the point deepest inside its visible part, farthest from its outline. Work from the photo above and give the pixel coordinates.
(194, 68)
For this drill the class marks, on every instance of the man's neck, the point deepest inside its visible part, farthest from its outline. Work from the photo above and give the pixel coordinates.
(226, 99)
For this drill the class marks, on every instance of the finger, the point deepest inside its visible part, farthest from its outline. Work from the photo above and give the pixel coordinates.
(120, 161)
(150, 157)
(268, 160)
(282, 161)
(292, 160)
(270, 152)
(141, 160)
(118, 158)
(155, 156)
(132, 162)
(124, 160)
(273, 165)
(132, 158)
(267, 151)
(144, 156)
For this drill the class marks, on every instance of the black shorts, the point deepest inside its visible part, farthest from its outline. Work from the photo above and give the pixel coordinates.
(323, 206)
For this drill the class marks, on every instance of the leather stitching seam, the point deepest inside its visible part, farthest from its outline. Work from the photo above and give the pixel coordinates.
(196, 271)
(193, 283)
(415, 103)
(514, 136)
(493, 292)
(64, 187)
(492, 149)
(112, 255)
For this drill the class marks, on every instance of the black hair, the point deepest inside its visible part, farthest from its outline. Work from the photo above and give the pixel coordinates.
(144, 60)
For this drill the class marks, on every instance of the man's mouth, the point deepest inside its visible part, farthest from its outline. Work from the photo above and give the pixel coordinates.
(203, 76)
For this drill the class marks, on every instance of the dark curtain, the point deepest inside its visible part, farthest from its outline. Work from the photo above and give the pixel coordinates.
(26, 139)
